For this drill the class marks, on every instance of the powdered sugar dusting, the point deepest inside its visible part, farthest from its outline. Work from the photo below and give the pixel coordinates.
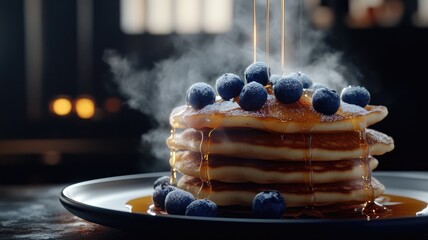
(219, 107)
(301, 111)
(352, 108)
(345, 111)
(331, 118)
(231, 108)
(378, 137)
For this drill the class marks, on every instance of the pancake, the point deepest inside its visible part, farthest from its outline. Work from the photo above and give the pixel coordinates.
(297, 147)
(296, 195)
(228, 155)
(277, 117)
(235, 170)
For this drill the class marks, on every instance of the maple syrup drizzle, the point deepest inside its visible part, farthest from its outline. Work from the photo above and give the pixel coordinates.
(205, 190)
(300, 33)
(172, 159)
(267, 31)
(309, 167)
(282, 37)
(400, 207)
(371, 209)
(204, 149)
(254, 31)
(307, 138)
(309, 209)
(173, 151)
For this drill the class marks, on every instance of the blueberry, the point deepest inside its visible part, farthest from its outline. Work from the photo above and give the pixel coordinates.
(257, 72)
(161, 180)
(274, 78)
(253, 96)
(268, 204)
(326, 101)
(355, 95)
(288, 90)
(202, 207)
(302, 78)
(177, 201)
(160, 194)
(229, 86)
(199, 95)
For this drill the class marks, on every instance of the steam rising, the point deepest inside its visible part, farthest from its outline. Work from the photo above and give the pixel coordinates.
(156, 91)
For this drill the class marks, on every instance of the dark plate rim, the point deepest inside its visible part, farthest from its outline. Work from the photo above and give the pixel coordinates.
(86, 211)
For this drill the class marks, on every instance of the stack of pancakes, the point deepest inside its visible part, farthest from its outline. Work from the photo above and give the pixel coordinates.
(228, 154)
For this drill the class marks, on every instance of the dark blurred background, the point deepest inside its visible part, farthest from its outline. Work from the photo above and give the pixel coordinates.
(63, 118)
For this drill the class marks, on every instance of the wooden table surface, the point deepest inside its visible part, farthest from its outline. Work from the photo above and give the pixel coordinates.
(35, 212)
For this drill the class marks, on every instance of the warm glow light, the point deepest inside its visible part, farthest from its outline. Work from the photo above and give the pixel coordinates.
(358, 8)
(218, 15)
(254, 31)
(188, 16)
(61, 106)
(323, 17)
(180, 16)
(389, 14)
(85, 107)
(159, 16)
(132, 16)
(312, 3)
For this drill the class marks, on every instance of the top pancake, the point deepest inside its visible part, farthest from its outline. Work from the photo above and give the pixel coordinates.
(278, 117)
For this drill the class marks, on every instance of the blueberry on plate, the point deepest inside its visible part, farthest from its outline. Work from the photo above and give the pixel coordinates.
(302, 78)
(355, 95)
(253, 96)
(160, 193)
(326, 101)
(229, 86)
(202, 208)
(162, 180)
(268, 204)
(288, 90)
(257, 72)
(177, 201)
(200, 94)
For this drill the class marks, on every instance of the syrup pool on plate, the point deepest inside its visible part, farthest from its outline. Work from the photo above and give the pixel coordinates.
(398, 207)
